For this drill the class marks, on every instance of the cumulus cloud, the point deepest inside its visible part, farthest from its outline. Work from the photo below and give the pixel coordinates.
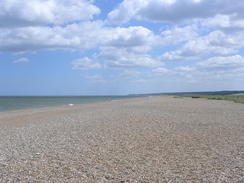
(128, 48)
(112, 57)
(21, 60)
(224, 66)
(214, 73)
(122, 48)
(85, 63)
(126, 10)
(119, 47)
(229, 63)
(214, 43)
(175, 11)
(160, 70)
(123, 58)
(15, 13)
(216, 27)
(178, 34)
(80, 36)
(131, 37)
(226, 23)
(184, 69)
(172, 56)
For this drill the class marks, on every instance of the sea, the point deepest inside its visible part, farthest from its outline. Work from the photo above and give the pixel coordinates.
(8, 103)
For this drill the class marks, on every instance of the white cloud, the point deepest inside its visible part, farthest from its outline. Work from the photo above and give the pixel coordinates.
(125, 58)
(215, 73)
(126, 10)
(184, 69)
(225, 23)
(85, 63)
(122, 48)
(160, 70)
(136, 37)
(214, 67)
(16, 13)
(128, 48)
(119, 47)
(171, 56)
(213, 44)
(118, 57)
(131, 60)
(229, 63)
(174, 10)
(21, 60)
(179, 34)
(80, 36)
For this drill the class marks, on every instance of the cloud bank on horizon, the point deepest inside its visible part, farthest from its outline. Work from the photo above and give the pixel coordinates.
(140, 45)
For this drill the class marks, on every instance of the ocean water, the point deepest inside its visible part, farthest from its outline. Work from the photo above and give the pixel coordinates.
(14, 103)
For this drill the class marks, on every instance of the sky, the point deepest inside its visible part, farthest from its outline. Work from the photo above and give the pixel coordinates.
(117, 47)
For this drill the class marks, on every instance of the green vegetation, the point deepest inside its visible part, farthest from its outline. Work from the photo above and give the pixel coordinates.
(239, 98)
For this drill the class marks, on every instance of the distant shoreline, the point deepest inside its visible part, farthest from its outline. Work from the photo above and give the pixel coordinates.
(9, 103)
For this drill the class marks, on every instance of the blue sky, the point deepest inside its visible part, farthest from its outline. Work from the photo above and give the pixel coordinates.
(88, 47)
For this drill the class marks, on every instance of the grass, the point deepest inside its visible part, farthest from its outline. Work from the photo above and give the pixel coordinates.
(239, 98)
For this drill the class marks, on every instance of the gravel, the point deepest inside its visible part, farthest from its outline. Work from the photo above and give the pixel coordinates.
(144, 140)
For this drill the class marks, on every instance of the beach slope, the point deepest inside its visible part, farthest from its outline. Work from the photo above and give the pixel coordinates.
(149, 139)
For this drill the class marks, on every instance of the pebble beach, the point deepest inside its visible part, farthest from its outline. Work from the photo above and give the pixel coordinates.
(140, 140)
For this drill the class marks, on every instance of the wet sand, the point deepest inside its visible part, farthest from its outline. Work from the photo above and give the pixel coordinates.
(150, 139)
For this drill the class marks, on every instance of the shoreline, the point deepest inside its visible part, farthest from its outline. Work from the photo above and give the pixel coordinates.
(28, 112)
(68, 104)
(103, 101)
